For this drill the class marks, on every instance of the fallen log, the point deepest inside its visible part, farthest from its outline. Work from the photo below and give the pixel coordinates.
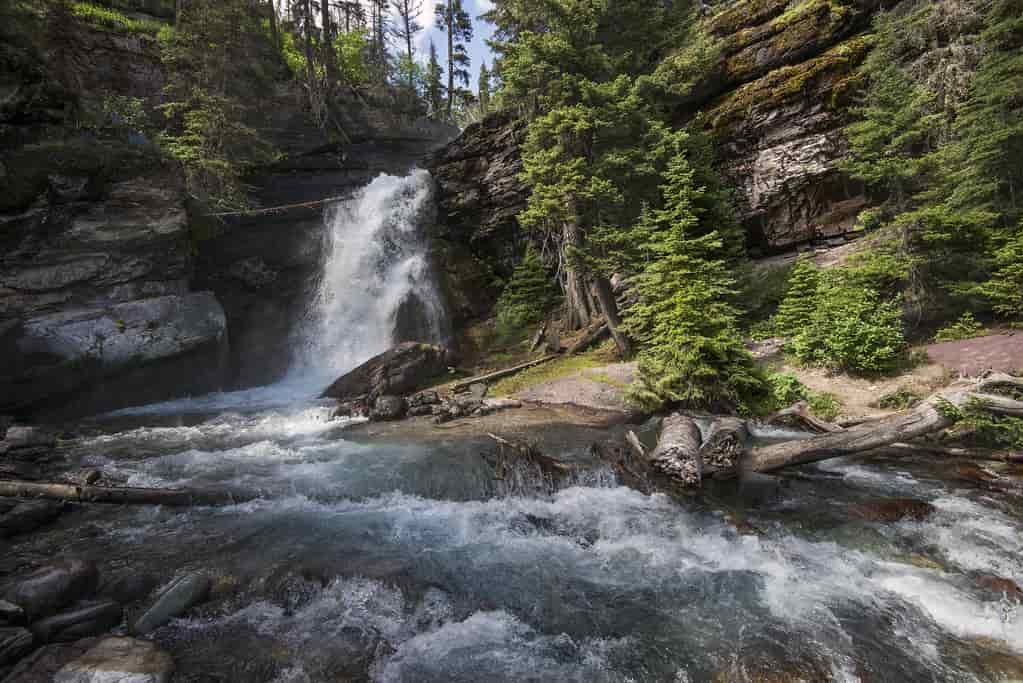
(122, 495)
(799, 412)
(989, 454)
(541, 334)
(938, 412)
(677, 454)
(724, 446)
(594, 333)
(464, 384)
(638, 449)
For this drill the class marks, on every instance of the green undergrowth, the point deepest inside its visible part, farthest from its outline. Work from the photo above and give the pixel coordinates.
(786, 389)
(105, 17)
(966, 327)
(547, 372)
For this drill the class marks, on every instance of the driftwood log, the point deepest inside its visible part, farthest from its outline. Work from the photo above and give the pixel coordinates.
(500, 374)
(122, 495)
(681, 455)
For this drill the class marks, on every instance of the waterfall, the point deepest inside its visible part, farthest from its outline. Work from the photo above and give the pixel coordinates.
(377, 286)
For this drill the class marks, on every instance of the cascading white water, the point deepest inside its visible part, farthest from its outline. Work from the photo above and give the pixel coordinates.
(377, 284)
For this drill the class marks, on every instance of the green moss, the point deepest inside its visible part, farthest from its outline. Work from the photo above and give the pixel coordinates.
(107, 18)
(743, 14)
(830, 70)
(545, 373)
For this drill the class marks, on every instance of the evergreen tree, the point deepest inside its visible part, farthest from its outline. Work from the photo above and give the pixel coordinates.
(434, 86)
(692, 353)
(405, 29)
(483, 90)
(801, 299)
(527, 298)
(457, 26)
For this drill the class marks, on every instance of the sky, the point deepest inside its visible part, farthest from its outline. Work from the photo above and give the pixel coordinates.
(478, 50)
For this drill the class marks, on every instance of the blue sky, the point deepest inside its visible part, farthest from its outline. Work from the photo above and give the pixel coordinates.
(478, 50)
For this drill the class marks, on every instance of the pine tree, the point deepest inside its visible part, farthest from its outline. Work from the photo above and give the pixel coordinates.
(692, 353)
(434, 86)
(801, 299)
(457, 26)
(483, 90)
(527, 298)
(404, 30)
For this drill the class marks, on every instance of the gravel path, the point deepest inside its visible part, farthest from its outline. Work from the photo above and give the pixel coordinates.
(970, 357)
(600, 388)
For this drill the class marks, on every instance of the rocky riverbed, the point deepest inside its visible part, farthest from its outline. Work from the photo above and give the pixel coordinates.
(409, 551)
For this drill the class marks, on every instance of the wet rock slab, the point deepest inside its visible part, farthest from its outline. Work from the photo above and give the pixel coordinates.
(119, 660)
(45, 591)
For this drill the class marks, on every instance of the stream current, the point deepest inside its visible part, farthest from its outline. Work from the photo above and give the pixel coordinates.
(392, 555)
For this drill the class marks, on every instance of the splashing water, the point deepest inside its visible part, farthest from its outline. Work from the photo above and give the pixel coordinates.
(377, 284)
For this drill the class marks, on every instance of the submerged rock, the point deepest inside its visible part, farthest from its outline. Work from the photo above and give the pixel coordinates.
(893, 509)
(174, 600)
(398, 371)
(45, 591)
(81, 622)
(10, 613)
(127, 587)
(14, 643)
(28, 516)
(119, 660)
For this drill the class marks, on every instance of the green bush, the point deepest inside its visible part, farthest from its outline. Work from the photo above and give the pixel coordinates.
(786, 389)
(980, 428)
(964, 328)
(851, 328)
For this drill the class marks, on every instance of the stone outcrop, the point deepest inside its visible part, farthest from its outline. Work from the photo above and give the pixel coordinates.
(479, 195)
(119, 659)
(398, 371)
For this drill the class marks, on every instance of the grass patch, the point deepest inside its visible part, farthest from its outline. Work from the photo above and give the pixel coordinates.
(546, 372)
(966, 327)
(107, 18)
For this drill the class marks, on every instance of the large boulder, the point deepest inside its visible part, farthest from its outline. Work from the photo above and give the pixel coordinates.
(80, 622)
(401, 370)
(119, 660)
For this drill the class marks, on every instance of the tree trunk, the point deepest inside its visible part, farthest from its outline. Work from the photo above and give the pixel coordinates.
(273, 24)
(576, 297)
(451, 57)
(678, 451)
(725, 445)
(308, 18)
(121, 495)
(177, 12)
(608, 304)
(328, 43)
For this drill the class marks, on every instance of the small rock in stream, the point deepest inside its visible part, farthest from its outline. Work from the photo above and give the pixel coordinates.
(174, 600)
(14, 643)
(892, 509)
(28, 516)
(81, 622)
(388, 408)
(119, 660)
(45, 591)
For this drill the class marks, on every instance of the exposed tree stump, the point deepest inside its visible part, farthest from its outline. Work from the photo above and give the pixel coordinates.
(725, 445)
(677, 454)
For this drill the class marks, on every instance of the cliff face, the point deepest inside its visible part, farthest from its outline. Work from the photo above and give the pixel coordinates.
(115, 290)
(479, 195)
(96, 307)
(775, 104)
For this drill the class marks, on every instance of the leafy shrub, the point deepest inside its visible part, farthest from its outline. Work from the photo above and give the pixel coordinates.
(786, 389)
(964, 328)
(981, 428)
(112, 19)
(851, 328)
(900, 399)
